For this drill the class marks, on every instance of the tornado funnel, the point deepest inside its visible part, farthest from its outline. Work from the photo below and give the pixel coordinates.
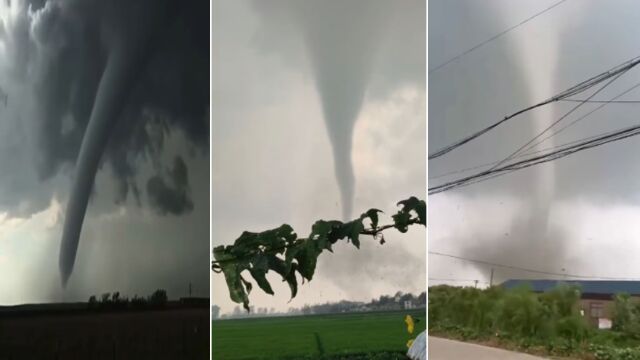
(341, 51)
(129, 45)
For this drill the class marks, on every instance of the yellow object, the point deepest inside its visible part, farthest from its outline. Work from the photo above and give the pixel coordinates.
(409, 343)
(409, 320)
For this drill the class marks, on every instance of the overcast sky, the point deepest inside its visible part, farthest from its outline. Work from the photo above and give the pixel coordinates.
(577, 215)
(277, 71)
(147, 222)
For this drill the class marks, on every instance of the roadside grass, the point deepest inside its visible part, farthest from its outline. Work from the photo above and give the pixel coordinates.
(548, 324)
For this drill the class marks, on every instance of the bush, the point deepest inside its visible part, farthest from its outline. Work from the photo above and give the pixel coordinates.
(626, 315)
(93, 302)
(158, 298)
(614, 353)
(113, 301)
(105, 298)
(138, 302)
(527, 319)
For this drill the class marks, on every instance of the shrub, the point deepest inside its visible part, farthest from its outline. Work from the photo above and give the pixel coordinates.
(158, 298)
(602, 352)
(138, 302)
(105, 298)
(626, 315)
(517, 314)
(93, 302)
(113, 301)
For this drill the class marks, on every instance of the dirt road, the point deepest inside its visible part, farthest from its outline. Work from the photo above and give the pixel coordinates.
(443, 349)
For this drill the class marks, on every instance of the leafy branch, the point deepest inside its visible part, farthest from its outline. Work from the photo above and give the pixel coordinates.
(280, 250)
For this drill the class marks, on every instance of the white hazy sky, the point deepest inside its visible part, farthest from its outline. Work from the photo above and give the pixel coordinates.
(576, 215)
(272, 160)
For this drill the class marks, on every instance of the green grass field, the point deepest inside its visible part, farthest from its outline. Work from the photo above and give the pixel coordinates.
(314, 336)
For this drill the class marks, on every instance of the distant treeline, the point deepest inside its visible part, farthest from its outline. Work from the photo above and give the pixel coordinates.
(399, 301)
(113, 301)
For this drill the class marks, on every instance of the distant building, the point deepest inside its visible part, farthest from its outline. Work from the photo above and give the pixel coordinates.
(215, 311)
(596, 295)
(408, 304)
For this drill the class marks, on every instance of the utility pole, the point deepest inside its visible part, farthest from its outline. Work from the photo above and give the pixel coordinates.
(475, 284)
(491, 278)
(189, 289)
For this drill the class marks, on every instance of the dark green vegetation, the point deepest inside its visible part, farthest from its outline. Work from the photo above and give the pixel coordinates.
(113, 301)
(548, 323)
(375, 335)
(280, 250)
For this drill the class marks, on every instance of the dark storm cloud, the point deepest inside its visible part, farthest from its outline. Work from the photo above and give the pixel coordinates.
(59, 49)
(172, 195)
(91, 80)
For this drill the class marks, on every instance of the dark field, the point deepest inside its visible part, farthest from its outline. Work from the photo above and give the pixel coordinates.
(152, 334)
(316, 336)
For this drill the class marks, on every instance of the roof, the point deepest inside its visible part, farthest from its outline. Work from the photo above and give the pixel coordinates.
(601, 287)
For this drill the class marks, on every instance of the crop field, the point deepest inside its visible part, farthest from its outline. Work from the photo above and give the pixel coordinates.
(377, 335)
(162, 334)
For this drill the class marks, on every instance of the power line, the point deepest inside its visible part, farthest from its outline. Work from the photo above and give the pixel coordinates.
(494, 37)
(531, 147)
(549, 156)
(576, 89)
(536, 271)
(558, 120)
(522, 155)
(490, 174)
(604, 103)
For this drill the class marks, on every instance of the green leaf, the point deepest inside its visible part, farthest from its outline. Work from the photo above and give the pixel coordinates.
(373, 215)
(245, 244)
(419, 206)
(236, 290)
(232, 269)
(247, 286)
(287, 272)
(401, 221)
(403, 218)
(261, 279)
(290, 278)
(308, 259)
(280, 250)
(291, 253)
(277, 238)
(306, 253)
(259, 271)
(352, 231)
(325, 229)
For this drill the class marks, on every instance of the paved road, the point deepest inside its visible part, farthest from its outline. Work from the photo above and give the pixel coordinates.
(443, 349)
